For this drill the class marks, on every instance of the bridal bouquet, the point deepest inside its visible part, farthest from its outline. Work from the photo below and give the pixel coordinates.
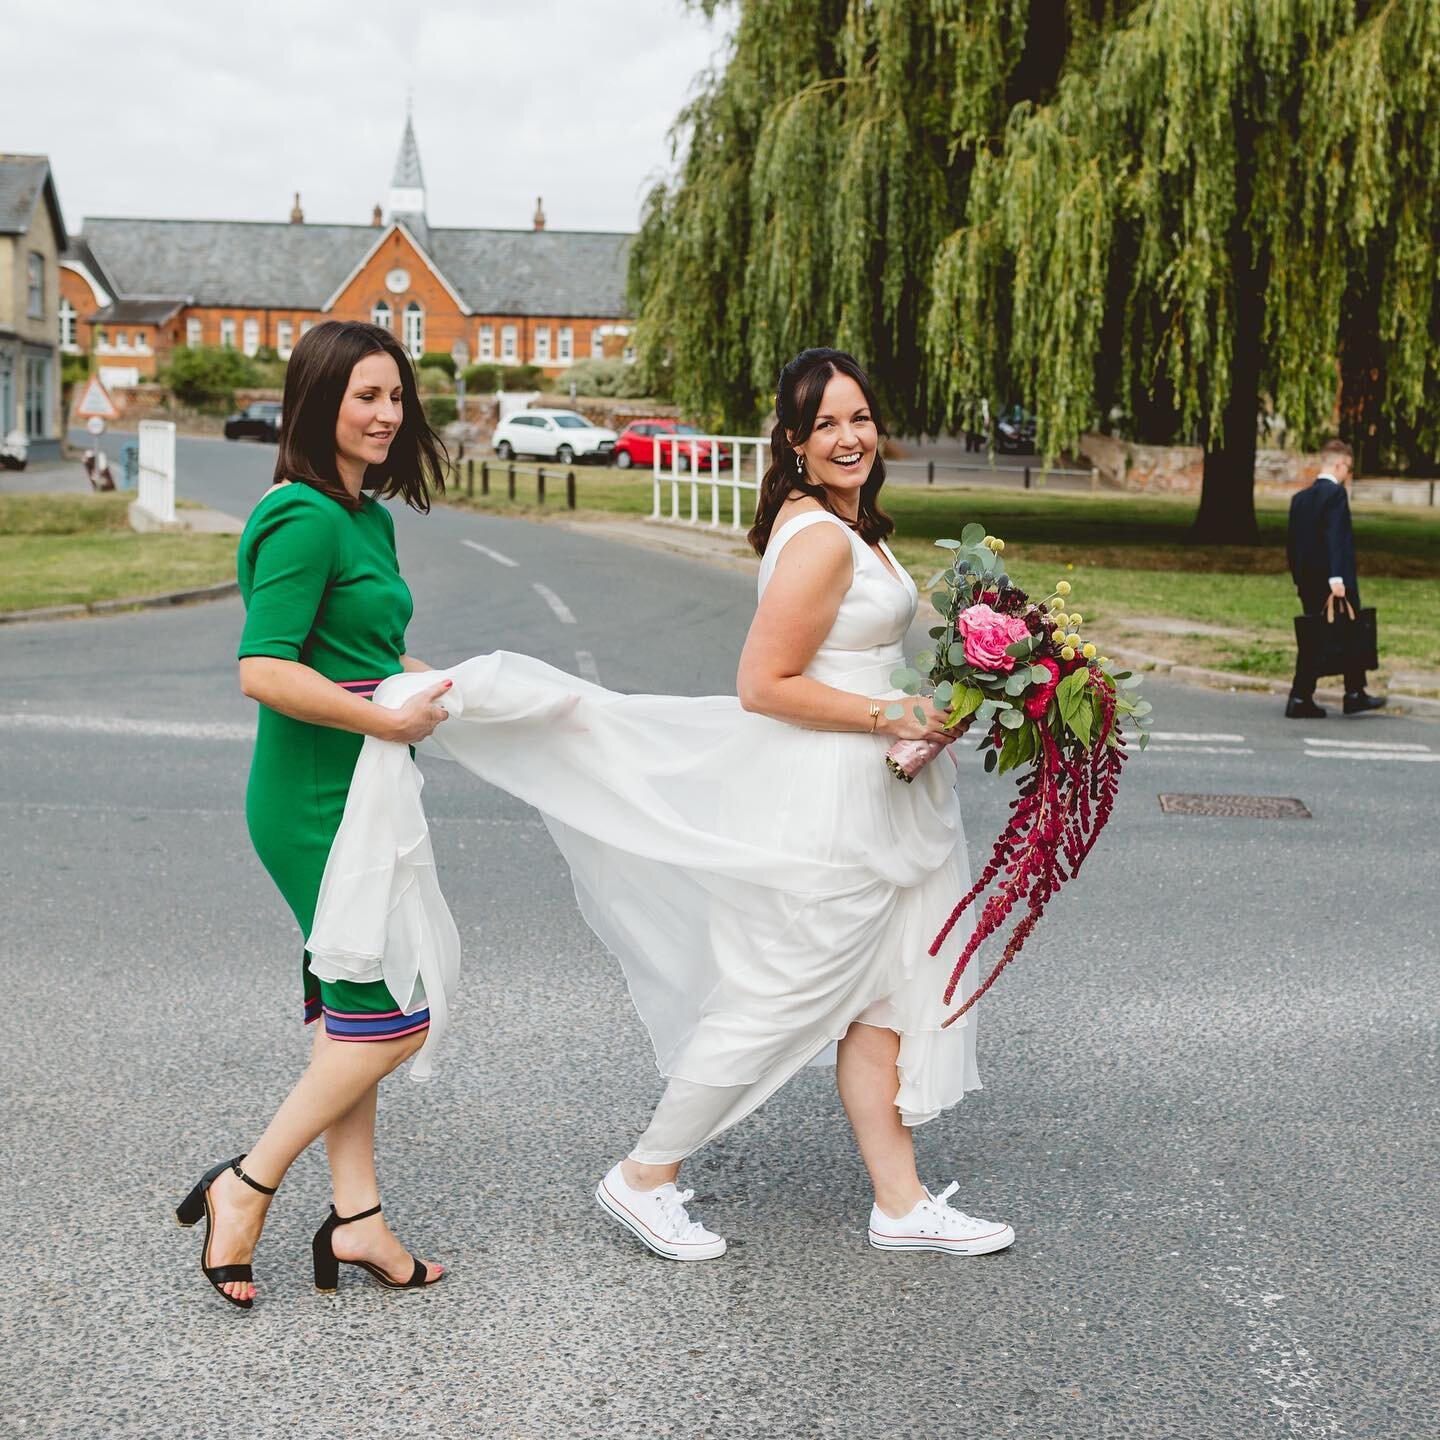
(1049, 702)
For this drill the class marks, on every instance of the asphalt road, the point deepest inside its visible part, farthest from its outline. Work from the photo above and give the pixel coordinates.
(1209, 1104)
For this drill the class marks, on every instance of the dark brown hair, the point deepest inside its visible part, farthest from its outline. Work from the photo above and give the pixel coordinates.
(1338, 447)
(315, 382)
(797, 402)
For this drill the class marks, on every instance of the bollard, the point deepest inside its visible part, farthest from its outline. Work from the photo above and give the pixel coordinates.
(484, 477)
(1027, 477)
(929, 472)
(540, 484)
(470, 479)
(511, 478)
(569, 489)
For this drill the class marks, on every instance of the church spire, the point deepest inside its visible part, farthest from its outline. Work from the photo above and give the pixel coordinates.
(407, 185)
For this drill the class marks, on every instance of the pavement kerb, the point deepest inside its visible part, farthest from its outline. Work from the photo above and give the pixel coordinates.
(130, 602)
(722, 549)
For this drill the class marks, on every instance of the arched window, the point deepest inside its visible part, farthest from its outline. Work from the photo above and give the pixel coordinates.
(380, 315)
(415, 329)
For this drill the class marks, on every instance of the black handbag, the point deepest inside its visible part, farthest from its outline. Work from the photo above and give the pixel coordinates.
(1337, 640)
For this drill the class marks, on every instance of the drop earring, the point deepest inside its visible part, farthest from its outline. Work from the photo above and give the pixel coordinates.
(799, 463)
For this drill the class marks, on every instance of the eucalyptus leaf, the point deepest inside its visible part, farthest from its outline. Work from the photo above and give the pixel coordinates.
(986, 676)
(941, 601)
(925, 661)
(1143, 708)
(1131, 682)
(1011, 719)
(1018, 683)
(956, 653)
(894, 710)
(938, 631)
(948, 544)
(944, 693)
(1039, 675)
(973, 533)
(902, 676)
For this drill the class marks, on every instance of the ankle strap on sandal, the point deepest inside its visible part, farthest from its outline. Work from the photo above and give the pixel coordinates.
(349, 1219)
(252, 1183)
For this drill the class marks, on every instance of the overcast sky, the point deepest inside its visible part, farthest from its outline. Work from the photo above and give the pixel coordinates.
(191, 108)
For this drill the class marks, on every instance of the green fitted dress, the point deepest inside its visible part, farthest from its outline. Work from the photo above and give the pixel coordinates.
(321, 586)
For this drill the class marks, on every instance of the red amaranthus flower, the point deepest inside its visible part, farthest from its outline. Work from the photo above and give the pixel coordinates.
(1063, 803)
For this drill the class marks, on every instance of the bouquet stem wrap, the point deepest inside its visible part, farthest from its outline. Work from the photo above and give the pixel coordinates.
(907, 758)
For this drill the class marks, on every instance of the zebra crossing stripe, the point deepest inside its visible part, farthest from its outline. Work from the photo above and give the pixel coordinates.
(1389, 746)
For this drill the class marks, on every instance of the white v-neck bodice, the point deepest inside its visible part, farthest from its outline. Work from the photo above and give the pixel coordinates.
(867, 641)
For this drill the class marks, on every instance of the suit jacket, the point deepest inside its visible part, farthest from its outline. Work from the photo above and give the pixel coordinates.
(1320, 541)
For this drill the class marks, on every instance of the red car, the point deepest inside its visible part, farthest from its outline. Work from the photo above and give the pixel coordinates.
(640, 438)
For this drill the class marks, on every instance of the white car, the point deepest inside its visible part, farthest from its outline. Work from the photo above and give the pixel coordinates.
(559, 434)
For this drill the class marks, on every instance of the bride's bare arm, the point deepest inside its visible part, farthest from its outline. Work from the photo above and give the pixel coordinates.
(792, 620)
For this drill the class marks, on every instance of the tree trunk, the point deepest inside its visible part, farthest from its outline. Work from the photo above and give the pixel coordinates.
(1227, 488)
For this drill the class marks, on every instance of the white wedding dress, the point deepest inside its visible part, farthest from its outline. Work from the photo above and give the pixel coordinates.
(762, 885)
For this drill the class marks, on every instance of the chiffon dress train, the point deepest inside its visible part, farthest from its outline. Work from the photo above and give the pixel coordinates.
(763, 885)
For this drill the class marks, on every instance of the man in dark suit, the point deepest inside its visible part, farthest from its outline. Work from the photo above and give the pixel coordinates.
(1321, 548)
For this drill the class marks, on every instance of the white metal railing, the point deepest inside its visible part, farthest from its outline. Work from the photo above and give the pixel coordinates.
(157, 468)
(724, 463)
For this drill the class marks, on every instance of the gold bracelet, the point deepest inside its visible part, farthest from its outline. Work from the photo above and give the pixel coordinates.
(875, 710)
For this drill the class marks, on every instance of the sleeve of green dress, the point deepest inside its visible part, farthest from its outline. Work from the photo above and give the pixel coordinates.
(295, 553)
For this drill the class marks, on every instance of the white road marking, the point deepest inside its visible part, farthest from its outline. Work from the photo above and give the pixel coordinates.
(586, 668)
(561, 609)
(145, 729)
(1363, 744)
(1371, 755)
(1188, 735)
(1153, 749)
(495, 555)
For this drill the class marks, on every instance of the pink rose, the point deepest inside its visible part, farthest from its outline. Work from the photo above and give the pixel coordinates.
(986, 634)
(1038, 702)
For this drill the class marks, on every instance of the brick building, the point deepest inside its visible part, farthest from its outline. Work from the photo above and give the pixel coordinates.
(32, 235)
(133, 290)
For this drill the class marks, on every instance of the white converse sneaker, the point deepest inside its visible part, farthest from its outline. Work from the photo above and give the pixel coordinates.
(933, 1225)
(658, 1218)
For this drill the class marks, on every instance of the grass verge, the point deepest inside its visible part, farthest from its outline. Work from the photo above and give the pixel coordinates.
(1128, 557)
(76, 549)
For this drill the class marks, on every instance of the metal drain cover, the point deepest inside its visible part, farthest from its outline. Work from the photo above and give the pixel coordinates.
(1246, 807)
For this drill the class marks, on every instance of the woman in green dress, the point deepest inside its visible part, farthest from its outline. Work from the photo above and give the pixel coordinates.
(326, 610)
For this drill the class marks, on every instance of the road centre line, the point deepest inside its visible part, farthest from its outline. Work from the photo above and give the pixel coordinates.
(586, 667)
(1153, 749)
(1189, 735)
(1363, 744)
(495, 555)
(561, 609)
(145, 729)
(1429, 757)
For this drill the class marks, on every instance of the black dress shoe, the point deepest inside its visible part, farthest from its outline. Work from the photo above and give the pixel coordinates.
(1297, 709)
(1357, 702)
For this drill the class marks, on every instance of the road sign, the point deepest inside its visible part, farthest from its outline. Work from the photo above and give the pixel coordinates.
(96, 402)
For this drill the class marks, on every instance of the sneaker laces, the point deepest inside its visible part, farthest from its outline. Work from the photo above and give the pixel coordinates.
(945, 1212)
(672, 1204)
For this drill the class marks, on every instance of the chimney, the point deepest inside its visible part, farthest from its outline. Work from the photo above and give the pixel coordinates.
(539, 213)
(297, 215)
(375, 219)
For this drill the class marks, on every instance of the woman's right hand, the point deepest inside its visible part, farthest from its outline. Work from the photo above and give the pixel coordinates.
(933, 727)
(417, 718)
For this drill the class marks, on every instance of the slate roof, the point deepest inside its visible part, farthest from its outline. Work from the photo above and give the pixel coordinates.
(23, 179)
(140, 312)
(264, 264)
(536, 272)
(78, 251)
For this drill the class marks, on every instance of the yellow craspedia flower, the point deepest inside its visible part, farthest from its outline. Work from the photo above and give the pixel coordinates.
(1073, 639)
(1063, 588)
(999, 544)
(1057, 637)
(1104, 659)
(1067, 653)
(1076, 618)
(1088, 651)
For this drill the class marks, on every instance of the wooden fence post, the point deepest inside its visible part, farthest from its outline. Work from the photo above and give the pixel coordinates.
(484, 477)
(569, 489)
(511, 478)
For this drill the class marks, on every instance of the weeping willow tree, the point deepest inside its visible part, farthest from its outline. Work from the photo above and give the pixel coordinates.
(824, 165)
(1174, 217)
(1229, 208)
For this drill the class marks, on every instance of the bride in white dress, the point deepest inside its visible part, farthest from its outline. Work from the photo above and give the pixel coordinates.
(766, 883)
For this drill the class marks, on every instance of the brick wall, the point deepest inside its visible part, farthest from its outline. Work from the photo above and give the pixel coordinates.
(1177, 469)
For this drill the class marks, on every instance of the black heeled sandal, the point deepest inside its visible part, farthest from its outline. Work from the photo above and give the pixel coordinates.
(196, 1204)
(327, 1263)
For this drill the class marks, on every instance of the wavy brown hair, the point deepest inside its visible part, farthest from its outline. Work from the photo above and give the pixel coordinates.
(797, 403)
(315, 382)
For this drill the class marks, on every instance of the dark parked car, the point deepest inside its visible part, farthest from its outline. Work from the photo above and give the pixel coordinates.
(260, 421)
(1015, 432)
